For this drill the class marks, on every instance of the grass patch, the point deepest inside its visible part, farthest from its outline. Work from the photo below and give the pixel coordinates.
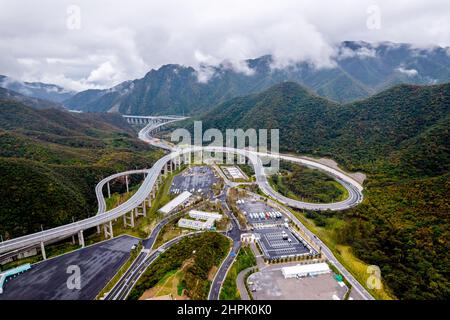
(305, 184)
(205, 250)
(355, 266)
(168, 232)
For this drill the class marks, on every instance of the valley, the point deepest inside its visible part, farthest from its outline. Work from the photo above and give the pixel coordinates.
(404, 189)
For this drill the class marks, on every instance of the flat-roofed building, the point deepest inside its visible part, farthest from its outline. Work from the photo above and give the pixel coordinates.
(208, 224)
(234, 172)
(203, 215)
(249, 237)
(179, 200)
(305, 270)
(196, 224)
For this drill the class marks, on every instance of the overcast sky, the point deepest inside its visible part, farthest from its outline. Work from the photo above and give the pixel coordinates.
(82, 44)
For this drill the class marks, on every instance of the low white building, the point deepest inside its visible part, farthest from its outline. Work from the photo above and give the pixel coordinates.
(191, 224)
(249, 237)
(304, 270)
(208, 224)
(203, 215)
(204, 220)
(234, 172)
(179, 200)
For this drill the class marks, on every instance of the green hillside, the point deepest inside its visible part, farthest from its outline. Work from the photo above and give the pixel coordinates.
(51, 160)
(399, 138)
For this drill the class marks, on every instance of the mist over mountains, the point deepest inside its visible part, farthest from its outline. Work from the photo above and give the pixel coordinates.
(383, 110)
(361, 70)
(39, 90)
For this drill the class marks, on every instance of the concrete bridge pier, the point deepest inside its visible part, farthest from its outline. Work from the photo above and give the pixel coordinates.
(81, 238)
(108, 229)
(149, 200)
(130, 218)
(187, 158)
(159, 180)
(198, 157)
(126, 182)
(140, 210)
(144, 209)
(44, 256)
(109, 190)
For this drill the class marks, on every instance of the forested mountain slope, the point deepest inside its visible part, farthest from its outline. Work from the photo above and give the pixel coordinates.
(399, 138)
(51, 160)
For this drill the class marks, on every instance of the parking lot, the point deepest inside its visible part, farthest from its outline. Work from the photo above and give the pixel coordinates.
(280, 242)
(48, 279)
(196, 180)
(270, 284)
(233, 173)
(259, 214)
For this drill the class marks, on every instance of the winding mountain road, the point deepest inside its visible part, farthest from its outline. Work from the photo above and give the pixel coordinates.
(103, 216)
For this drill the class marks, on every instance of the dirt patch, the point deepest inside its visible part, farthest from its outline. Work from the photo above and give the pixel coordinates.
(358, 176)
(149, 293)
(212, 273)
(168, 289)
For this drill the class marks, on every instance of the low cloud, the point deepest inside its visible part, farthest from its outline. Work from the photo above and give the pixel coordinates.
(118, 41)
(408, 72)
(364, 52)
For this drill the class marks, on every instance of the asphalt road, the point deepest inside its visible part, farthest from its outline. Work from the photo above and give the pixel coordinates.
(152, 175)
(125, 283)
(235, 235)
(240, 283)
(355, 196)
(132, 275)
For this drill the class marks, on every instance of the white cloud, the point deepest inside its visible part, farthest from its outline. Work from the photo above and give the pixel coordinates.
(408, 72)
(205, 73)
(447, 51)
(366, 53)
(104, 74)
(363, 52)
(120, 40)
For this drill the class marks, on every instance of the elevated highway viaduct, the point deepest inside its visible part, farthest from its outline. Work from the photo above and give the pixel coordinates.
(135, 206)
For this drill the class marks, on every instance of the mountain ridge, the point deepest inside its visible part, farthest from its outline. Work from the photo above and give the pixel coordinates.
(39, 90)
(361, 70)
(36, 103)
